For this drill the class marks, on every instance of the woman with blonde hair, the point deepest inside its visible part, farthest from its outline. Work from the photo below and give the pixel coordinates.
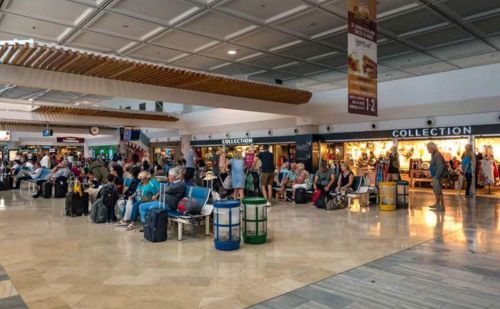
(302, 181)
(346, 178)
(238, 175)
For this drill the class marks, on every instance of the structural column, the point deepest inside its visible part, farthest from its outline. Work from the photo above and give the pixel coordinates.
(185, 144)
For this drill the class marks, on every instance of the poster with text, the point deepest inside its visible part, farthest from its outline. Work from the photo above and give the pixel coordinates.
(362, 57)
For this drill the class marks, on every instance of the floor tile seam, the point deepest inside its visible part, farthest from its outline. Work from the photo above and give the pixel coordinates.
(375, 260)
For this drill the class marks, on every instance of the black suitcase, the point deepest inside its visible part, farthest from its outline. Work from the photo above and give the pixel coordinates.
(155, 227)
(61, 189)
(47, 189)
(7, 182)
(300, 196)
(77, 205)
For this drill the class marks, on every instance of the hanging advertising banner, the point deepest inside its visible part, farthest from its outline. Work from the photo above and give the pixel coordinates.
(362, 57)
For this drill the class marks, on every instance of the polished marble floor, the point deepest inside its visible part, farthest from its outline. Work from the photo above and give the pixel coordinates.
(60, 262)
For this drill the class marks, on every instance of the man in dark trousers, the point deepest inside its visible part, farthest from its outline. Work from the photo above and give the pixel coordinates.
(267, 175)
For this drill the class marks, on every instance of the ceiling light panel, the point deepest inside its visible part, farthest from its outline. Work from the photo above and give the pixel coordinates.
(199, 62)
(264, 10)
(411, 21)
(305, 51)
(268, 61)
(431, 68)
(264, 39)
(461, 50)
(311, 22)
(302, 69)
(391, 49)
(181, 40)
(156, 54)
(466, 8)
(216, 25)
(409, 60)
(163, 11)
(235, 69)
(30, 27)
(123, 26)
(221, 51)
(339, 40)
(59, 11)
(97, 42)
(488, 26)
(440, 37)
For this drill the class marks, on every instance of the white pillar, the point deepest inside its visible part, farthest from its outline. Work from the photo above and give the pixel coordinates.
(185, 144)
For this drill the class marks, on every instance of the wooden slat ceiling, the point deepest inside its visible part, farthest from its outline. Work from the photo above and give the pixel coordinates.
(62, 59)
(17, 125)
(102, 112)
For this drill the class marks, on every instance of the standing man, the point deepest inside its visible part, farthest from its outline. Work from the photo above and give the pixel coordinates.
(437, 168)
(46, 162)
(267, 175)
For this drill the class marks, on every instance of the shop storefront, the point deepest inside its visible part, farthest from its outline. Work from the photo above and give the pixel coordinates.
(363, 150)
(108, 151)
(283, 148)
(165, 151)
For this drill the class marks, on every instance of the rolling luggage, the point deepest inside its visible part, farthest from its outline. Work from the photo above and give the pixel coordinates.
(300, 196)
(61, 188)
(77, 205)
(7, 182)
(47, 189)
(155, 227)
(99, 212)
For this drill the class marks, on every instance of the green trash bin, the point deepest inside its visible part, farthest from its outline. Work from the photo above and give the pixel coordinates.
(254, 220)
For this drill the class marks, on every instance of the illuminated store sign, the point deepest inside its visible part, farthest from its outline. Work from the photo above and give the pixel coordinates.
(430, 132)
(237, 141)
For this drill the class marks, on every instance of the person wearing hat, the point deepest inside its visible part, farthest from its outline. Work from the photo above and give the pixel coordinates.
(209, 178)
(173, 193)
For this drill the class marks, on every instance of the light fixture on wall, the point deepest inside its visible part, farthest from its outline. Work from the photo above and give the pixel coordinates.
(247, 134)
(232, 52)
(296, 130)
(209, 136)
(227, 135)
(328, 128)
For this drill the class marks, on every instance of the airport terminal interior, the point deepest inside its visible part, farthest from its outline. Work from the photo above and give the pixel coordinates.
(259, 154)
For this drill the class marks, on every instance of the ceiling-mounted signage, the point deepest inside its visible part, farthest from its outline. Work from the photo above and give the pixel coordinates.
(362, 57)
(237, 141)
(70, 140)
(430, 132)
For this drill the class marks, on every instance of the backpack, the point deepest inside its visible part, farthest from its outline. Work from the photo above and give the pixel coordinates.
(321, 202)
(189, 206)
(99, 212)
(109, 195)
(250, 186)
(338, 202)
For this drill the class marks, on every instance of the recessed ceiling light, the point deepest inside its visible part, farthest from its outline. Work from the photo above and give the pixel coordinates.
(34, 27)
(124, 26)
(231, 52)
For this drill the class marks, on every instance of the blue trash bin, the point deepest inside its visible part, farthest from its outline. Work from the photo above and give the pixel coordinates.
(227, 225)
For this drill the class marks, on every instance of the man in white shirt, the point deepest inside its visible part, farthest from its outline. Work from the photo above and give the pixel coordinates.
(45, 162)
(35, 175)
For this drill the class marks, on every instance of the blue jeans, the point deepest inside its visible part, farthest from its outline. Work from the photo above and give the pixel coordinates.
(135, 210)
(145, 207)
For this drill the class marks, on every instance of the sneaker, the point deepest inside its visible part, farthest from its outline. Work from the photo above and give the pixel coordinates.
(438, 209)
(433, 206)
(268, 204)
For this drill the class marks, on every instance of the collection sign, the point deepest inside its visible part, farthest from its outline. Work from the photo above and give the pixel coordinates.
(429, 132)
(71, 140)
(362, 57)
(237, 141)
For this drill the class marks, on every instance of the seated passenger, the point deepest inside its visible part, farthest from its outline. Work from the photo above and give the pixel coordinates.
(289, 179)
(145, 192)
(39, 173)
(282, 179)
(109, 195)
(60, 171)
(174, 192)
(324, 178)
(346, 178)
(302, 180)
(130, 186)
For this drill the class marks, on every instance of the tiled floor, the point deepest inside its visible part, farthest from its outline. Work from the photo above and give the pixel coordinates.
(60, 262)
(9, 298)
(455, 270)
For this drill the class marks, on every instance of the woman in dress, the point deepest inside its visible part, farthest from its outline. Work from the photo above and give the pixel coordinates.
(346, 179)
(238, 175)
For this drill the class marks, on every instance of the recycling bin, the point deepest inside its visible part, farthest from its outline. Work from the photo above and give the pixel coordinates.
(254, 220)
(387, 195)
(227, 225)
(402, 194)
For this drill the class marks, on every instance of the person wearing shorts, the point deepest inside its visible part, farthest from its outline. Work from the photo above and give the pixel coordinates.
(267, 175)
(437, 168)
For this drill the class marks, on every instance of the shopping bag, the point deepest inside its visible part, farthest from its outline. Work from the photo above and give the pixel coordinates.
(128, 210)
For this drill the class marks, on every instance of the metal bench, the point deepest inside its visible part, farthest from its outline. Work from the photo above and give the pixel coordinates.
(200, 194)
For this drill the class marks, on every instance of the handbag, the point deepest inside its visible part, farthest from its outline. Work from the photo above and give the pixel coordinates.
(336, 203)
(128, 210)
(228, 184)
(315, 196)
